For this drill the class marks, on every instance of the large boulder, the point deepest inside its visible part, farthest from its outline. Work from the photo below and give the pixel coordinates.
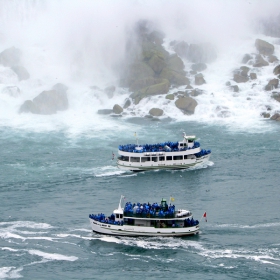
(21, 72)
(47, 102)
(156, 112)
(272, 84)
(246, 58)
(174, 77)
(157, 63)
(241, 74)
(117, 109)
(276, 96)
(276, 117)
(186, 104)
(199, 79)
(260, 61)
(276, 70)
(264, 47)
(10, 57)
(160, 88)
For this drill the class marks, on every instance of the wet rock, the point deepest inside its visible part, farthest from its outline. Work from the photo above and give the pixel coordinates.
(21, 72)
(246, 58)
(264, 47)
(260, 61)
(276, 70)
(161, 88)
(234, 88)
(265, 115)
(105, 111)
(276, 117)
(272, 58)
(10, 57)
(238, 78)
(47, 102)
(199, 67)
(253, 76)
(117, 109)
(272, 84)
(186, 104)
(127, 103)
(156, 112)
(169, 96)
(276, 96)
(199, 79)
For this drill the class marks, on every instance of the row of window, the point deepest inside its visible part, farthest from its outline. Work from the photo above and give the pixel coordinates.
(155, 159)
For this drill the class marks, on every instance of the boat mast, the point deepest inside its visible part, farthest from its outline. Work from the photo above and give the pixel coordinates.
(120, 204)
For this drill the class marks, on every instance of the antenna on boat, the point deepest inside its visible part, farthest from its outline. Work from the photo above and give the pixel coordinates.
(135, 134)
(120, 204)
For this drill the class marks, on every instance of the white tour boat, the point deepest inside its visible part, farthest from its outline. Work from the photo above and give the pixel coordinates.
(167, 155)
(146, 219)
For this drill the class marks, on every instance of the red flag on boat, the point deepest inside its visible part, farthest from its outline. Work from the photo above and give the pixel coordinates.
(204, 215)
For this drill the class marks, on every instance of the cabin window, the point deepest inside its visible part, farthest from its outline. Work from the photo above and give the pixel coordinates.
(169, 158)
(177, 157)
(155, 159)
(123, 158)
(185, 156)
(121, 216)
(144, 159)
(117, 216)
(135, 159)
(161, 158)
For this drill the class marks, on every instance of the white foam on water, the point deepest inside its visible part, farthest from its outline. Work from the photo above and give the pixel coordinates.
(107, 171)
(10, 272)
(263, 225)
(52, 256)
(9, 249)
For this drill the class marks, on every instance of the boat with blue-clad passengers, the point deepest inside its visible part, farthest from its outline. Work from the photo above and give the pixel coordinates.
(145, 219)
(167, 155)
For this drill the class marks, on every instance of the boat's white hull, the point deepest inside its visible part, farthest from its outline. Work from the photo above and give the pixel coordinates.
(127, 230)
(166, 165)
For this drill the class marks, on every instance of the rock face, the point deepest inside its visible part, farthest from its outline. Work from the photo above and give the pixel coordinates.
(153, 70)
(264, 47)
(47, 102)
(156, 112)
(186, 104)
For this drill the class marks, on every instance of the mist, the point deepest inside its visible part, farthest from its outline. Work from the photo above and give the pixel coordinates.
(86, 40)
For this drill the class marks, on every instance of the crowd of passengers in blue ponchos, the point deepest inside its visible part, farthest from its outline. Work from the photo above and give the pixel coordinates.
(150, 210)
(166, 146)
(143, 210)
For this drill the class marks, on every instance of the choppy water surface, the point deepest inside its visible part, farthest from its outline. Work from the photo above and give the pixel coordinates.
(51, 181)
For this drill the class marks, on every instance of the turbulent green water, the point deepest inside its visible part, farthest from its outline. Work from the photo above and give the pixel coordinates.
(50, 182)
